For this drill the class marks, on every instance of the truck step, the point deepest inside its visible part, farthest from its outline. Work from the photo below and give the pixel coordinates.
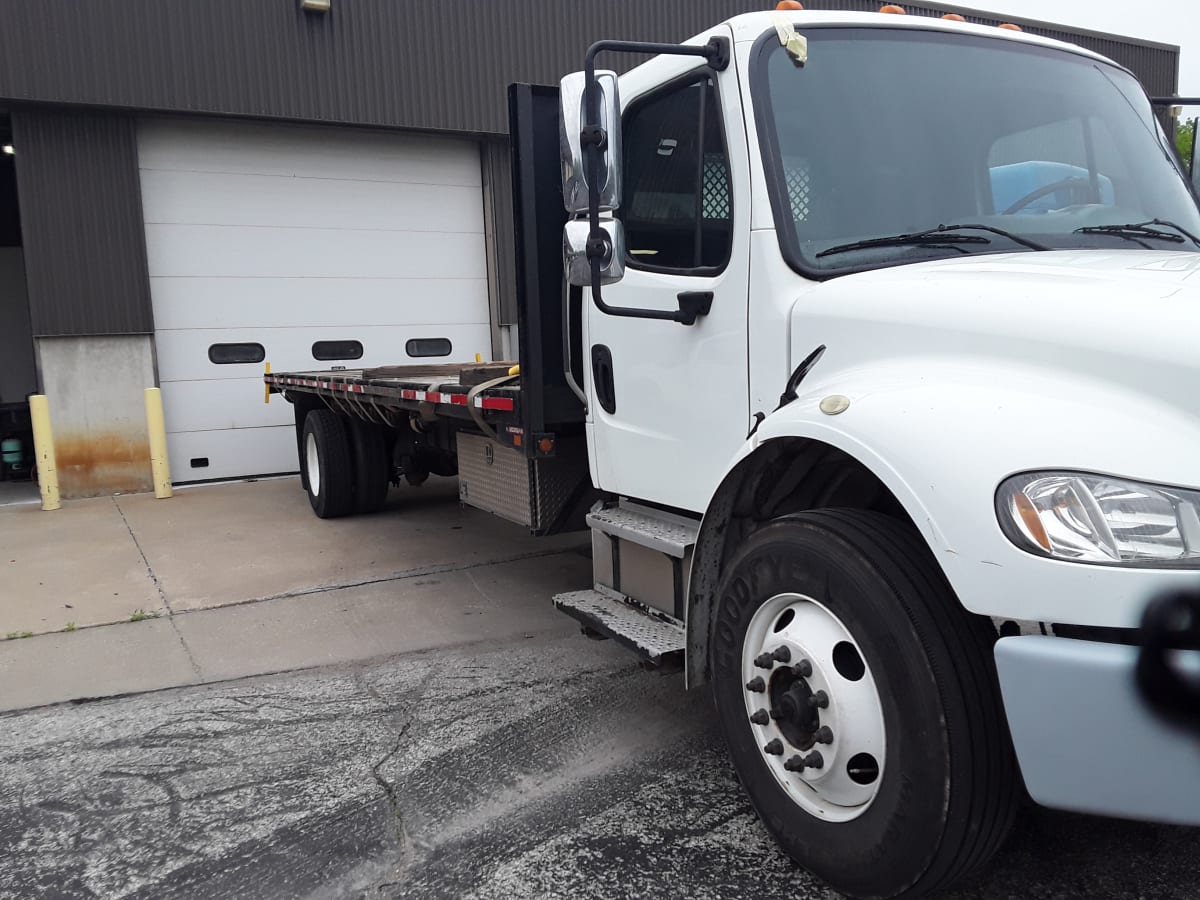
(650, 528)
(650, 634)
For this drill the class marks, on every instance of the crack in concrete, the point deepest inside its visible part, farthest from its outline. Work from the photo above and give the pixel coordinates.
(162, 594)
(420, 572)
(444, 569)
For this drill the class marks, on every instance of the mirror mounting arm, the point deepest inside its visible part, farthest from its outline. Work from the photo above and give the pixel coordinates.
(594, 136)
(594, 139)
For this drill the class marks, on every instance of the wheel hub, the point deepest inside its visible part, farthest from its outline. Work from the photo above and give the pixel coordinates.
(813, 707)
(794, 712)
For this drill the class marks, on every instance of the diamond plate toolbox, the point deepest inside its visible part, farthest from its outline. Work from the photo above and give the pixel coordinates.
(532, 492)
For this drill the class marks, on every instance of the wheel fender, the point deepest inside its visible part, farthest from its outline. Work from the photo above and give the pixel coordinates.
(941, 438)
(710, 542)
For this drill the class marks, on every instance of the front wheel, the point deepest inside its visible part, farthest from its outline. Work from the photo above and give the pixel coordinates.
(860, 706)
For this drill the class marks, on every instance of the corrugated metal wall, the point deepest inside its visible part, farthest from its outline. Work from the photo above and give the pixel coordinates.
(81, 221)
(400, 63)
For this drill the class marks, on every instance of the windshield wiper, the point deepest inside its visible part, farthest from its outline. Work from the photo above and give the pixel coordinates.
(1136, 230)
(934, 236)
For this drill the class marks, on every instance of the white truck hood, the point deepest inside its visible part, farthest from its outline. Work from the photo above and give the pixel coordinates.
(1131, 317)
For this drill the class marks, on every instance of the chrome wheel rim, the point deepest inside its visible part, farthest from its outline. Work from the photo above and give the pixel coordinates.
(813, 707)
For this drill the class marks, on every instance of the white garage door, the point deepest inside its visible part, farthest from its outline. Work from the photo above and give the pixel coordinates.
(298, 246)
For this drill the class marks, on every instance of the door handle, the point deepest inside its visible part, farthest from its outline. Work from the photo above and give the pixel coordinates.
(602, 377)
(692, 305)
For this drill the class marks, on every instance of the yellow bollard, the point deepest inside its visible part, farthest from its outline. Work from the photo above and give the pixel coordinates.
(267, 387)
(43, 450)
(160, 470)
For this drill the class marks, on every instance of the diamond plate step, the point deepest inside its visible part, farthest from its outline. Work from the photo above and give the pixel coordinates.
(650, 634)
(644, 527)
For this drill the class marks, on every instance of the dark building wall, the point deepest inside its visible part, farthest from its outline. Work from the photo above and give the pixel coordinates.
(81, 222)
(424, 64)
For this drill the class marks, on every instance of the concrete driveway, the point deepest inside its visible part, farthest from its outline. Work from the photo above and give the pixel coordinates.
(129, 593)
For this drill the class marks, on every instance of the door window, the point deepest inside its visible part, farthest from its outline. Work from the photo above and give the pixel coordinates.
(677, 205)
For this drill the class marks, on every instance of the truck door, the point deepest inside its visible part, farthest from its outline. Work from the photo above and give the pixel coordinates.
(669, 402)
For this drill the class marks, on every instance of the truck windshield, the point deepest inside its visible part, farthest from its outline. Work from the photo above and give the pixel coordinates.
(888, 133)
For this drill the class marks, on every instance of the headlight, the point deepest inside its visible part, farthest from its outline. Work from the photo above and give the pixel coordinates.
(1098, 519)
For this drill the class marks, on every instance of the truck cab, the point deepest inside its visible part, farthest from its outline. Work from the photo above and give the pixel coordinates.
(888, 333)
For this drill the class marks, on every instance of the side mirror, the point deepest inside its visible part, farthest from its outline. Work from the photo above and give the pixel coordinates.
(571, 119)
(576, 264)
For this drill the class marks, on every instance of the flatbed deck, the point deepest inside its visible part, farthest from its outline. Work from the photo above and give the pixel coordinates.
(454, 389)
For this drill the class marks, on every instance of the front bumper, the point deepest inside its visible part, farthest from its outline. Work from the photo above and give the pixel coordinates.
(1086, 740)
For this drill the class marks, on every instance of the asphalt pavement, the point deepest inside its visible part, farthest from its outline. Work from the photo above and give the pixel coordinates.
(550, 766)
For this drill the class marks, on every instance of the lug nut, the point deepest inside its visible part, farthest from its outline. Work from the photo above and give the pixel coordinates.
(764, 660)
(814, 760)
(760, 717)
(775, 747)
(803, 668)
(782, 654)
(819, 700)
(824, 735)
(794, 764)
(756, 684)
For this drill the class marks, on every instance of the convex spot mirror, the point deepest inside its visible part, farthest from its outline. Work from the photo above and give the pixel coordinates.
(571, 119)
(575, 257)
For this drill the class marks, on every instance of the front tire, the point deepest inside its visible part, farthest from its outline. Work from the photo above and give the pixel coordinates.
(325, 457)
(860, 705)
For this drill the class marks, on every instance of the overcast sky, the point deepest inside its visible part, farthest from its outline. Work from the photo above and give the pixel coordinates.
(1169, 21)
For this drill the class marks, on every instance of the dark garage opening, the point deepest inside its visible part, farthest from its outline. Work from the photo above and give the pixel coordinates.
(18, 371)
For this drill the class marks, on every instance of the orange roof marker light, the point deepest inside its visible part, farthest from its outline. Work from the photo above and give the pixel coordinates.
(1009, 26)
(954, 17)
(788, 5)
(893, 9)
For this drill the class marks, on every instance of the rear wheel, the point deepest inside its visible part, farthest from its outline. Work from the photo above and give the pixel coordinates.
(860, 705)
(372, 468)
(328, 473)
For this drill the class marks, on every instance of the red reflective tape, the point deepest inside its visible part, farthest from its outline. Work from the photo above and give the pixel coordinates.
(501, 403)
(407, 394)
(458, 399)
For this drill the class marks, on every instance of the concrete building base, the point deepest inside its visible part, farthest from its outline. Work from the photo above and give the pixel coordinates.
(95, 386)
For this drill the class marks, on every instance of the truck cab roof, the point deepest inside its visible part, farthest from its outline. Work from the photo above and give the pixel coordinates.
(748, 27)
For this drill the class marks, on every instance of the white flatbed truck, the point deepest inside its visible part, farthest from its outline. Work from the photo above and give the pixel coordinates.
(868, 356)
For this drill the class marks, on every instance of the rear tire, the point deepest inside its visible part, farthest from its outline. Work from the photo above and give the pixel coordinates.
(325, 460)
(917, 783)
(372, 468)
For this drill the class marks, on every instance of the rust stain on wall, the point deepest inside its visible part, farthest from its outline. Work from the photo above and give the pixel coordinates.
(105, 462)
